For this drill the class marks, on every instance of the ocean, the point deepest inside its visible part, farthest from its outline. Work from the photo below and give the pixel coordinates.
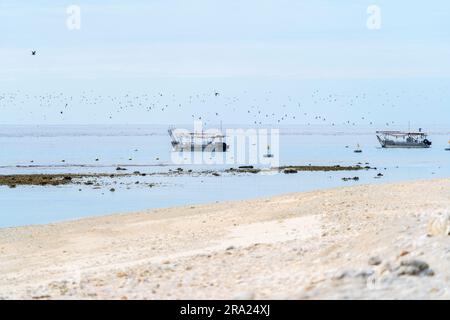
(75, 149)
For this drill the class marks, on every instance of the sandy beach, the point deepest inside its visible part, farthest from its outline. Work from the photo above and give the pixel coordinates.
(365, 242)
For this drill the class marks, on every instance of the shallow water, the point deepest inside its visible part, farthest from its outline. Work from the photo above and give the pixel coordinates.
(149, 151)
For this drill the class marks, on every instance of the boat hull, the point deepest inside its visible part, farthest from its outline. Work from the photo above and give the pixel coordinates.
(386, 143)
(392, 144)
(212, 147)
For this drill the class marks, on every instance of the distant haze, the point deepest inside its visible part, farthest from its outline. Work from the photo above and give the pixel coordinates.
(255, 62)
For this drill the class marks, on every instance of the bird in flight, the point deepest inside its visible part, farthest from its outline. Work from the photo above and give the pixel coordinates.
(33, 53)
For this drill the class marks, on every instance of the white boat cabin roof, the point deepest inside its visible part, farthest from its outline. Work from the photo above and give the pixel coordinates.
(401, 133)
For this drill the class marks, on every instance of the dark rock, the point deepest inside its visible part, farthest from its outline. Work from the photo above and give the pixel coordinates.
(362, 274)
(414, 267)
(374, 261)
(348, 179)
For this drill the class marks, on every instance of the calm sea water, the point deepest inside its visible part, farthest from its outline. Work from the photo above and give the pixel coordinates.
(37, 150)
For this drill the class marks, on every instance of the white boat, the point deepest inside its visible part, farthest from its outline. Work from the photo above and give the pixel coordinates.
(197, 141)
(400, 139)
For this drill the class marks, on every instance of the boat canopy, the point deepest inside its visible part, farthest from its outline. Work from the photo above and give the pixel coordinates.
(201, 135)
(402, 134)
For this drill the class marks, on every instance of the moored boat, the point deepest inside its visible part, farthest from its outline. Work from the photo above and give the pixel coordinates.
(400, 139)
(197, 141)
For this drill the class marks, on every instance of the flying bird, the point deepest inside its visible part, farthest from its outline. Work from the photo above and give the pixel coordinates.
(33, 53)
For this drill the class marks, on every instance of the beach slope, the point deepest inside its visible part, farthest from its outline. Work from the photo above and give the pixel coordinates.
(363, 242)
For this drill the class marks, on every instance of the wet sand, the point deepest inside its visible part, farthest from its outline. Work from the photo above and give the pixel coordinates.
(373, 241)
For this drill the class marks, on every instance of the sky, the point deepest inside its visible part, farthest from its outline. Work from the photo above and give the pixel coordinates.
(198, 47)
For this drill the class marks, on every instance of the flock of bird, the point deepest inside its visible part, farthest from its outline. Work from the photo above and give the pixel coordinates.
(209, 107)
(212, 106)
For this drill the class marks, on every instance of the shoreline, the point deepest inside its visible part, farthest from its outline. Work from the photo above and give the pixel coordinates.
(212, 203)
(311, 245)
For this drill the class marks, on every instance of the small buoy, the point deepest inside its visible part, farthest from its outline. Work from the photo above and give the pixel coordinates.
(268, 154)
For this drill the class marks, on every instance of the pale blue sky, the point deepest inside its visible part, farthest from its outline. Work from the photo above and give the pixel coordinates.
(182, 45)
